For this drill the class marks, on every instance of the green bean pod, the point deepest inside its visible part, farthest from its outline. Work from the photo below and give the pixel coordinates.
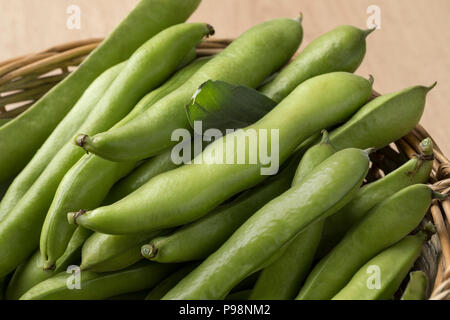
(384, 225)
(313, 157)
(32, 128)
(133, 296)
(3, 188)
(383, 120)
(171, 281)
(263, 234)
(189, 192)
(106, 253)
(144, 173)
(245, 61)
(247, 283)
(76, 190)
(281, 279)
(414, 171)
(189, 57)
(240, 295)
(381, 277)
(88, 182)
(80, 112)
(32, 272)
(417, 286)
(2, 289)
(97, 286)
(148, 67)
(197, 240)
(341, 49)
(141, 175)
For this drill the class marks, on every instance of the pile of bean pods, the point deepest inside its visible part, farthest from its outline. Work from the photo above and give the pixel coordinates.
(123, 221)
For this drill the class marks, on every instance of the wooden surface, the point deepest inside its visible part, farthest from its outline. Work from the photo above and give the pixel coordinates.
(412, 47)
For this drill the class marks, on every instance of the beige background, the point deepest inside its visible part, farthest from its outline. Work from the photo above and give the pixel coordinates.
(412, 46)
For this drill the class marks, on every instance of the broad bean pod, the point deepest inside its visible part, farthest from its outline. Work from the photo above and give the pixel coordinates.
(189, 192)
(245, 62)
(341, 49)
(329, 186)
(88, 182)
(97, 286)
(148, 67)
(416, 170)
(384, 225)
(281, 279)
(32, 128)
(386, 270)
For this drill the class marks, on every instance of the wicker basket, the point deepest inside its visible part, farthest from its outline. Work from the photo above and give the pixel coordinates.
(25, 79)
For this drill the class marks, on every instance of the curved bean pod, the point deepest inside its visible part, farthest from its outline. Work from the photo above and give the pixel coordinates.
(171, 281)
(383, 120)
(274, 225)
(31, 128)
(247, 283)
(415, 171)
(417, 286)
(390, 267)
(76, 190)
(241, 295)
(32, 272)
(96, 286)
(133, 296)
(341, 49)
(3, 188)
(313, 157)
(245, 61)
(2, 288)
(197, 240)
(147, 68)
(88, 182)
(181, 196)
(106, 253)
(141, 175)
(85, 105)
(281, 279)
(370, 127)
(26, 276)
(384, 225)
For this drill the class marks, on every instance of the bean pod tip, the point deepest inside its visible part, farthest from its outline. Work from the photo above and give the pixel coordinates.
(73, 216)
(149, 251)
(426, 146)
(428, 229)
(49, 265)
(80, 140)
(439, 196)
(431, 87)
(211, 30)
(368, 151)
(369, 31)
(325, 136)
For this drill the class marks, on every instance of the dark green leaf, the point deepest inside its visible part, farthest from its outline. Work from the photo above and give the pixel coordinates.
(222, 106)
